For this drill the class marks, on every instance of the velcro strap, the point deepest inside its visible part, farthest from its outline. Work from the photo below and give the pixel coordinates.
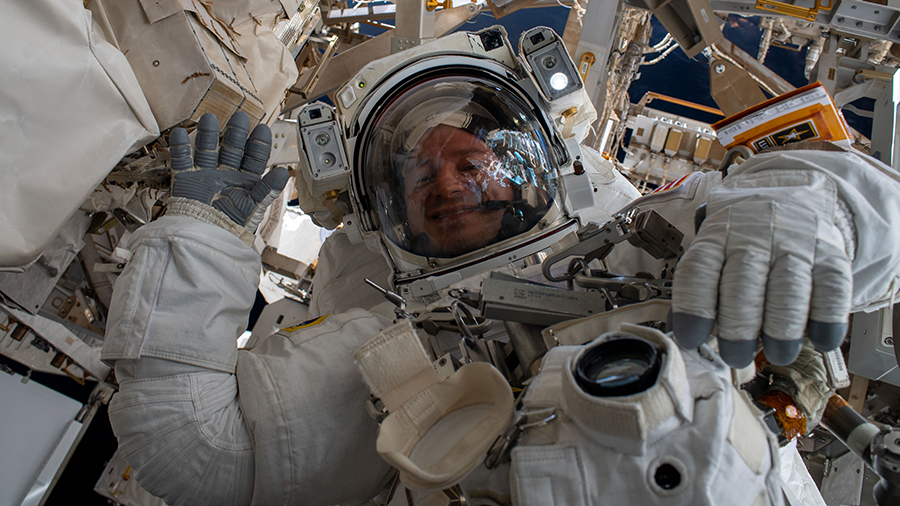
(394, 365)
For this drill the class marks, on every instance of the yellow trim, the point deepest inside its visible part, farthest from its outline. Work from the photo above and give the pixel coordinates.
(584, 65)
(651, 95)
(304, 325)
(773, 126)
(828, 122)
(794, 11)
(828, 125)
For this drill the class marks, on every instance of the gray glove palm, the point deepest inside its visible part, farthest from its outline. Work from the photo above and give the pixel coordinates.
(227, 178)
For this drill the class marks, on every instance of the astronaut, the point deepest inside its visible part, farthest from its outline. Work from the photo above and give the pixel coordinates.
(452, 162)
(449, 183)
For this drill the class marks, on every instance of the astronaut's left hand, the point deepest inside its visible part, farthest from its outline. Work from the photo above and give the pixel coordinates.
(224, 184)
(769, 261)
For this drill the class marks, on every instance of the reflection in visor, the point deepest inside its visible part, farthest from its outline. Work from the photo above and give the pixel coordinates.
(457, 165)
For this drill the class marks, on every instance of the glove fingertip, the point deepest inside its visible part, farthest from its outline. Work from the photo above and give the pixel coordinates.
(826, 336)
(208, 123)
(180, 150)
(239, 120)
(277, 178)
(207, 139)
(262, 133)
(780, 352)
(691, 331)
(738, 354)
(179, 136)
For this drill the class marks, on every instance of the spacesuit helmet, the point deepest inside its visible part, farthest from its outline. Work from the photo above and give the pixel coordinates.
(451, 158)
(455, 164)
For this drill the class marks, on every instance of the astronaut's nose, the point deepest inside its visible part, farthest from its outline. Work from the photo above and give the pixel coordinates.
(450, 179)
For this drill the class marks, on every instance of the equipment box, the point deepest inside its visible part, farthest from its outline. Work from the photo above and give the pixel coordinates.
(186, 61)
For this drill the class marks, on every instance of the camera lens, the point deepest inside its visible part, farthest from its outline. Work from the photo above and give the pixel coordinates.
(549, 61)
(618, 367)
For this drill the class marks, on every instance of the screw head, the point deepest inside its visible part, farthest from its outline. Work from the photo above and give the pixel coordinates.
(720, 68)
(840, 20)
(859, 24)
(156, 63)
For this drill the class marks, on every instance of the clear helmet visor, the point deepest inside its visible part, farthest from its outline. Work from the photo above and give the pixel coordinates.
(456, 164)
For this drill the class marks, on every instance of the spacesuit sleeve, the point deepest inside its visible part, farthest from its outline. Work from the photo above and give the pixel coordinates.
(283, 424)
(185, 279)
(177, 310)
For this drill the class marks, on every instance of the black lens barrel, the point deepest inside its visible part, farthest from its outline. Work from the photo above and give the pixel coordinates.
(618, 367)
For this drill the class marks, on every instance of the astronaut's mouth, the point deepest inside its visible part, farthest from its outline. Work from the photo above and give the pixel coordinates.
(445, 214)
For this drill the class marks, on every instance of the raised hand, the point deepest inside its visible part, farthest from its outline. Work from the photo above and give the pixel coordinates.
(228, 177)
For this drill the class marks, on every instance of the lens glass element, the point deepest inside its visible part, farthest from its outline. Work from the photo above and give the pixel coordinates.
(618, 367)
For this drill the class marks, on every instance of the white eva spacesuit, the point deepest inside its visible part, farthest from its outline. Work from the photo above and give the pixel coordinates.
(455, 167)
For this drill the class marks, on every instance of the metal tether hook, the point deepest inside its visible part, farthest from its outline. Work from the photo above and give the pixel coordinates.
(459, 311)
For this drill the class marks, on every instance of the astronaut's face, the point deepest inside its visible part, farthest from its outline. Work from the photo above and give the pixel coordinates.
(455, 191)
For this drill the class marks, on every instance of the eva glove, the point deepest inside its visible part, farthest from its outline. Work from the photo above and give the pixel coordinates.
(768, 262)
(226, 181)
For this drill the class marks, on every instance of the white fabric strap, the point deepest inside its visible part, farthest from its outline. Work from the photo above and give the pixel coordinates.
(390, 360)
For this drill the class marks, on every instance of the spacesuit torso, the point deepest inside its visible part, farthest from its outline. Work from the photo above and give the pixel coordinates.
(590, 448)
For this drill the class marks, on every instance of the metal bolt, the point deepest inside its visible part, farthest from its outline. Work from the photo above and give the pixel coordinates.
(720, 68)
(877, 28)
(877, 12)
(840, 20)
(859, 24)
(156, 63)
(889, 341)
